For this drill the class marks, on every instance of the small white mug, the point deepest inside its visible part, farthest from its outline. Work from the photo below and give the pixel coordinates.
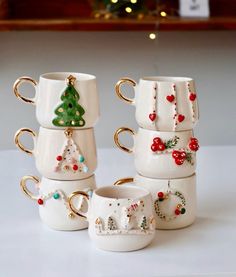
(63, 99)
(53, 200)
(174, 200)
(62, 155)
(163, 103)
(165, 155)
(120, 218)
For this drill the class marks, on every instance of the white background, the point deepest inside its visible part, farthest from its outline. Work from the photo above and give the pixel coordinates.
(208, 57)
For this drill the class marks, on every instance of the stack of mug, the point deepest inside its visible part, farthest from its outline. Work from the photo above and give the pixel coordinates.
(164, 146)
(67, 108)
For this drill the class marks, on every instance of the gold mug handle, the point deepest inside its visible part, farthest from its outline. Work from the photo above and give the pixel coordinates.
(123, 181)
(18, 82)
(19, 144)
(119, 92)
(71, 205)
(26, 191)
(117, 140)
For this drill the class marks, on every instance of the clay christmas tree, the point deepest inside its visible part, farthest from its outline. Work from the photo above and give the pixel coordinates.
(111, 225)
(143, 225)
(69, 113)
(71, 158)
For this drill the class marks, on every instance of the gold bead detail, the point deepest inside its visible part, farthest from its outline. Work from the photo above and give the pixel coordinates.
(71, 215)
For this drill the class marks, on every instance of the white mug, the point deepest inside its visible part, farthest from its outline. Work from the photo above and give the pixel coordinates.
(120, 218)
(62, 155)
(161, 154)
(163, 103)
(53, 201)
(174, 200)
(63, 99)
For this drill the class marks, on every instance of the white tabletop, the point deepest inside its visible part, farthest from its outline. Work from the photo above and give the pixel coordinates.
(28, 248)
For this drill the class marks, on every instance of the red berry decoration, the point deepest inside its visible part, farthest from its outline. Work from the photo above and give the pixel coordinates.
(157, 140)
(160, 194)
(192, 96)
(75, 167)
(176, 154)
(179, 161)
(40, 201)
(59, 158)
(161, 147)
(181, 117)
(154, 147)
(170, 98)
(177, 212)
(194, 140)
(183, 155)
(152, 116)
(193, 146)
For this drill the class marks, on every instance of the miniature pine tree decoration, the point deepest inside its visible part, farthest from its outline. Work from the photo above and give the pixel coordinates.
(111, 225)
(143, 225)
(71, 158)
(69, 113)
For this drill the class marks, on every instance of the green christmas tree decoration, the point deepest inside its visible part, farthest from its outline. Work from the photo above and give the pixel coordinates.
(69, 113)
(143, 225)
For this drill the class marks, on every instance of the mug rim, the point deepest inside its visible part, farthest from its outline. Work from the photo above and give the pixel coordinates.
(162, 132)
(138, 175)
(52, 76)
(103, 194)
(166, 79)
(67, 181)
(75, 129)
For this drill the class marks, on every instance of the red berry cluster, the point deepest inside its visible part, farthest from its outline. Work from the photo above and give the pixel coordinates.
(193, 145)
(179, 156)
(158, 145)
(179, 211)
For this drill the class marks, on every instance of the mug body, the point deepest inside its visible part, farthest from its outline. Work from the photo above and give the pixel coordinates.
(54, 112)
(166, 103)
(63, 157)
(52, 198)
(121, 218)
(174, 200)
(164, 154)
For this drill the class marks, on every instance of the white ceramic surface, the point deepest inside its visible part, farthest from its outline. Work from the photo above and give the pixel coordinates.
(185, 186)
(56, 213)
(115, 216)
(55, 156)
(160, 164)
(48, 92)
(163, 103)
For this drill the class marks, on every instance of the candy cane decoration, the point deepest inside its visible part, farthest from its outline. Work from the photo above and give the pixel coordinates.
(175, 107)
(192, 97)
(153, 115)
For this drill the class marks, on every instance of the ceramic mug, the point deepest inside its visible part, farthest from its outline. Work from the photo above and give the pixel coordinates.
(120, 218)
(161, 154)
(174, 200)
(62, 155)
(52, 198)
(63, 99)
(163, 103)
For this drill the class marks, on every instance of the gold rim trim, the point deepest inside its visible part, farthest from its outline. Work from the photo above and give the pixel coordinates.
(117, 141)
(124, 181)
(17, 84)
(19, 144)
(120, 93)
(71, 205)
(23, 185)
